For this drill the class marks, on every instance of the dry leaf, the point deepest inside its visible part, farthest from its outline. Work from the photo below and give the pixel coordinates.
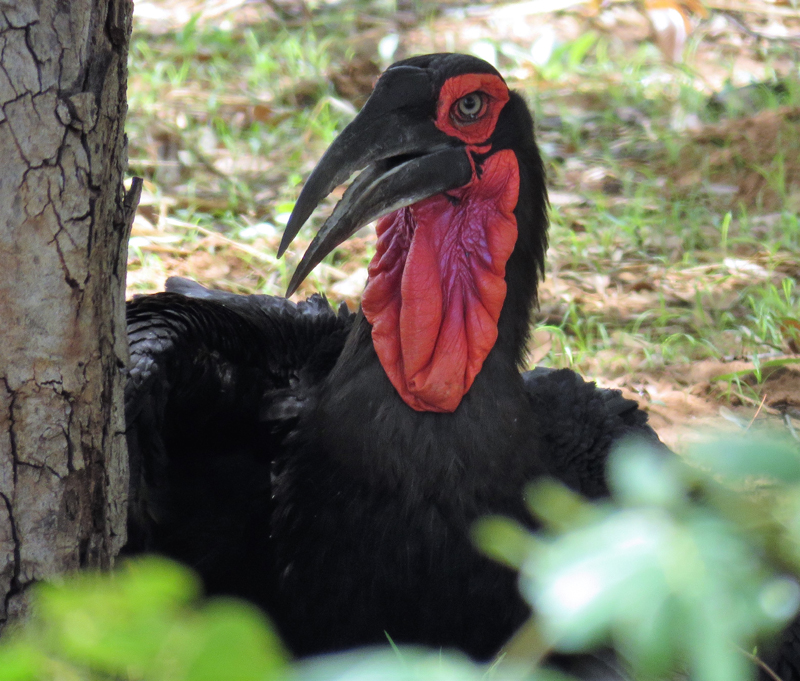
(671, 24)
(790, 330)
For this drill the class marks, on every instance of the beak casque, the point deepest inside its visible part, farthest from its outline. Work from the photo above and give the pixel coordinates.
(405, 156)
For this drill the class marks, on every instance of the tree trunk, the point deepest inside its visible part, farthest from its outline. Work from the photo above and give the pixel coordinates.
(64, 222)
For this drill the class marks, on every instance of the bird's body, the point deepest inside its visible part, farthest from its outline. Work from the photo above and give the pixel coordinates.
(249, 471)
(330, 466)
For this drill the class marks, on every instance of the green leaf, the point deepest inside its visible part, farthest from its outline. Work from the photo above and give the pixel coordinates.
(20, 662)
(116, 623)
(749, 457)
(587, 577)
(140, 622)
(558, 506)
(503, 539)
(233, 642)
(412, 664)
(638, 475)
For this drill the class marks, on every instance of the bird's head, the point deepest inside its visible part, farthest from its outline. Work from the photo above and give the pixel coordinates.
(451, 167)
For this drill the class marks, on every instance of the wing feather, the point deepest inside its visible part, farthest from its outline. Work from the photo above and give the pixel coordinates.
(206, 367)
(581, 422)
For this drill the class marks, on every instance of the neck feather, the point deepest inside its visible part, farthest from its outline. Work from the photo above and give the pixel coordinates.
(525, 267)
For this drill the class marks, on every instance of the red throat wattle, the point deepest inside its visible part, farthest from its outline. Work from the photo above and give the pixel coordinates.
(437, 285)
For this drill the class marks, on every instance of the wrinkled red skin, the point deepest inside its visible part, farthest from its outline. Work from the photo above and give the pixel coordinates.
(437, 281)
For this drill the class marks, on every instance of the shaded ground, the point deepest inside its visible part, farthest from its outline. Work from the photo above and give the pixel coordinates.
(675, 189)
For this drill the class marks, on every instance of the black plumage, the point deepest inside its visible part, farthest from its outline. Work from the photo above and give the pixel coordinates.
(248, 469)
(270, 450)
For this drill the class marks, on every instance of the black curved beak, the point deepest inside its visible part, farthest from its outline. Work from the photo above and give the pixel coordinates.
(405, 156)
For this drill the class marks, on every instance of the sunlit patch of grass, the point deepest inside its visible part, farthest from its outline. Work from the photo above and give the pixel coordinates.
(652, 194)
(224, 123)
(231, 96)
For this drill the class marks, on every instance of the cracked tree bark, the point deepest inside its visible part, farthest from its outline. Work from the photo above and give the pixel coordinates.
(64, 223)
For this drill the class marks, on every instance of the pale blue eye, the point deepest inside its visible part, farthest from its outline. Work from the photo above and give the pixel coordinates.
(469, 106)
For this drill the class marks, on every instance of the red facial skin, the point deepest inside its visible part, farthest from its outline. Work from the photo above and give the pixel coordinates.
(479, 131)
(437, 281)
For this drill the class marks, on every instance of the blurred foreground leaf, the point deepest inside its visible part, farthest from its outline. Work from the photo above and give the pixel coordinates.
(411, 664)
(743, 457)
(140, 622)
(677, 570)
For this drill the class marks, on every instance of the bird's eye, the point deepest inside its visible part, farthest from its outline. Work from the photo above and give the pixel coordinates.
(469, 108)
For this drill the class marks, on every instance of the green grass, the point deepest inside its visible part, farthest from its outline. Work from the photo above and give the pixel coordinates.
(661, 260)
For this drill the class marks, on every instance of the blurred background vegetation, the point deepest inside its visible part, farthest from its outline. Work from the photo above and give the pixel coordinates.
(674, 175)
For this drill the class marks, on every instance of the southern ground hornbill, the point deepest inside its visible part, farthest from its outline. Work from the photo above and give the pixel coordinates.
(329, 466)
